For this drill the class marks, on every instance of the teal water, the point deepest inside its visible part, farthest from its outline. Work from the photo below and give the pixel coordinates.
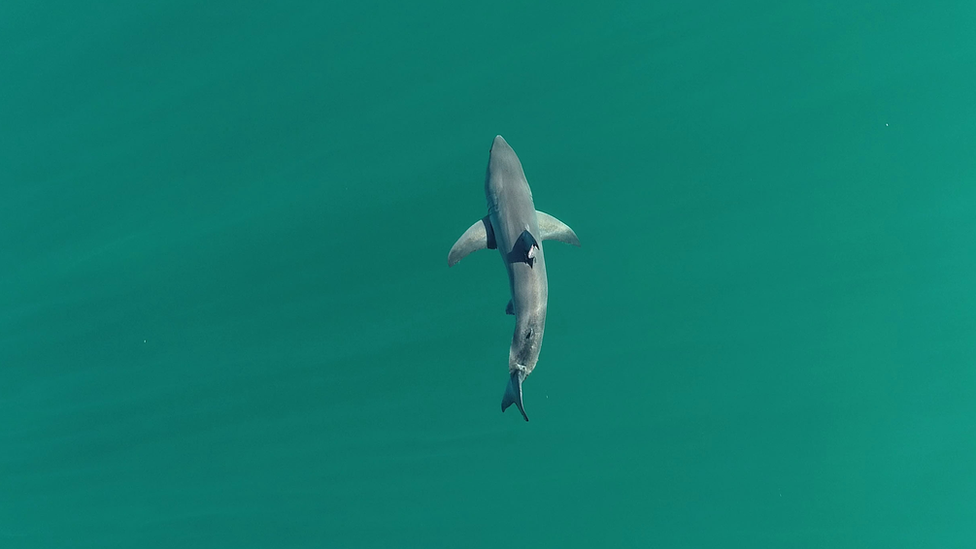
(226, 318)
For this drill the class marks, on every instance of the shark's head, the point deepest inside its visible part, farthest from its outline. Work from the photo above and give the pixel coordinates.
(503, 165)
(499, 143)
(501, 154)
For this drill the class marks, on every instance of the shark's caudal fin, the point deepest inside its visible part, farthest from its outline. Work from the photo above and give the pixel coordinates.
(478, 237)
(513, 393)
(554, 229)
(524, 250)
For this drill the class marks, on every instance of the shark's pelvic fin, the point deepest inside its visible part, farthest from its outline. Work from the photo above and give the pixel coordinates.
(554, 229)
(513, 392)
(510, 308)
(525, 249)
(478, 237)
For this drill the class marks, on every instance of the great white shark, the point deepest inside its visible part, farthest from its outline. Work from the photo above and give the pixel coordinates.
(516, 229)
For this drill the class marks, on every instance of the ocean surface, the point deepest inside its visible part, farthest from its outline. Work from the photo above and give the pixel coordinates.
(227, 320)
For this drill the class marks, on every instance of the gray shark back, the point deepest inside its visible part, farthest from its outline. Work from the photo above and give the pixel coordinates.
(517, 230)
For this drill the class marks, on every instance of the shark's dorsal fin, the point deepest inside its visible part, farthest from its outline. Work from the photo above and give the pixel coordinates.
(510, 308)
(554, 229)
(525, 249)
(478, 237)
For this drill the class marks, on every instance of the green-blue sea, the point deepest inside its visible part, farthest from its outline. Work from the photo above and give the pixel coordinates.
(227, 319)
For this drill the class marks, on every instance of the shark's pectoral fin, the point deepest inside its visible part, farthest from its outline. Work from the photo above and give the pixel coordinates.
(525, 249)
(510, 308)
(478, 237)
(554, 229)
(513, 392)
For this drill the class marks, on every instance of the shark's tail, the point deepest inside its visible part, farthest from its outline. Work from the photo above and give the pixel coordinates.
(513, 392)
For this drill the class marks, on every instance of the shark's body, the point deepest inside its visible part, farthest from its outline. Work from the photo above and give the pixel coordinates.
(517, 230)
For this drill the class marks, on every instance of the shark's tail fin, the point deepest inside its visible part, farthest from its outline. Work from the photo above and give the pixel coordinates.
(513, 392)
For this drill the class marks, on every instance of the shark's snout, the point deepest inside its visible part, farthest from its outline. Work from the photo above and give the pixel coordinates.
(499, 143)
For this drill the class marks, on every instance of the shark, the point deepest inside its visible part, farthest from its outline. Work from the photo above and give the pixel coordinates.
(516, 229)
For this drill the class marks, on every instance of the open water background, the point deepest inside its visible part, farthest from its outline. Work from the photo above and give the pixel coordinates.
(226, 318)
